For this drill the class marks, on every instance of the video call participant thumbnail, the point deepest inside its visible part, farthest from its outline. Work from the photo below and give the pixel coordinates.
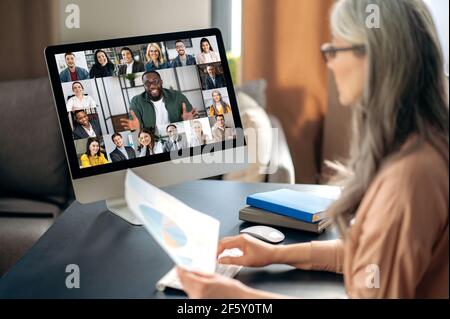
(129, 65)
(156, 106)
(213, 79)
(198, 137)
(79, 101)
(176, 141)
(72, 72)
(219, 106)
(93, 155)
(148, 144)
(222, 132)
(121, 152)
(207, 55)
(155, 58)
(102, 67)
(183, 59)
(84, 127)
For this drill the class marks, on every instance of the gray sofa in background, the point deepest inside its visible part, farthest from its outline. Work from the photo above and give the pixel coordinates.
(35, 186)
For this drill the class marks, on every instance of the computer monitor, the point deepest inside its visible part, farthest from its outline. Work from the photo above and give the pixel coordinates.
(163, 105)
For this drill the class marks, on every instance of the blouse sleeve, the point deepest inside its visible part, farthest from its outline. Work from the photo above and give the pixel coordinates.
(327, 255)
(200, 59)
(217, 56)
(211, 111)
(85, 161)
(70, 105)
(103, 159)
(91, 102)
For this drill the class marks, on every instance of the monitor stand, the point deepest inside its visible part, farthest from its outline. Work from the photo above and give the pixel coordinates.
(118, 206)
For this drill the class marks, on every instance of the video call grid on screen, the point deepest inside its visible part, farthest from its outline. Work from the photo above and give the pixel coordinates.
(101, 96)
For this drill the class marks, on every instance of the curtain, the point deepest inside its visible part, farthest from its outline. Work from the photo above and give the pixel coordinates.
(26, 28)
(281, 43)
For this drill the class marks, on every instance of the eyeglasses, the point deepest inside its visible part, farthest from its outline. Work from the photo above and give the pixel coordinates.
(329, 51)
(154, 82)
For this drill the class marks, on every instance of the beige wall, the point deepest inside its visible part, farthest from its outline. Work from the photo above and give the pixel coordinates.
(29, 26)
(103, 19)
(26, 28)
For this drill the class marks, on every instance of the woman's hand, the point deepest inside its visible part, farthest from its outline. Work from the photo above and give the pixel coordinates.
(256, 253)
(201, 286)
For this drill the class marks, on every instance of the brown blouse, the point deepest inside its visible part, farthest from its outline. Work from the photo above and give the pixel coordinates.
(398, 243)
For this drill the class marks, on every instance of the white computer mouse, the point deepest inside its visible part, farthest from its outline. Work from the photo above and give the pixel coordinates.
(265, 233)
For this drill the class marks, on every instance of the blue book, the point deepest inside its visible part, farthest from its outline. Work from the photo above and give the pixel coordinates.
(299, 205)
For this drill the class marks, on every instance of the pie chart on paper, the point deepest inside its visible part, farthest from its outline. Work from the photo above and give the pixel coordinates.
(165, 228)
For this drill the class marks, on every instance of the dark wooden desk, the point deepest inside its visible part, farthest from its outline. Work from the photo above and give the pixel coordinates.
(117, 260)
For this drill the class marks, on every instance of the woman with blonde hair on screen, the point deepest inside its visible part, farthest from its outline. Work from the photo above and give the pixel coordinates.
(393, 212)
(198, 137)
(155, 58)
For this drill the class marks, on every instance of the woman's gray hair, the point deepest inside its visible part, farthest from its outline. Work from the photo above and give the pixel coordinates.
(405, 90)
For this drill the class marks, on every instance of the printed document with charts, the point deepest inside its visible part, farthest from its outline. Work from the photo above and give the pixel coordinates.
(189, 237)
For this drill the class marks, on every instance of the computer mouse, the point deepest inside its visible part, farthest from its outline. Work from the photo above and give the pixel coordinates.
(265, 233)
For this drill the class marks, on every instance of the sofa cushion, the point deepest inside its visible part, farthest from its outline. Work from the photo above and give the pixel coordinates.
(17, 235)
(32, 158)
(26, 207)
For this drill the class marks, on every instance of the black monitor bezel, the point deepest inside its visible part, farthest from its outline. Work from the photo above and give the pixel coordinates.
(65, 127)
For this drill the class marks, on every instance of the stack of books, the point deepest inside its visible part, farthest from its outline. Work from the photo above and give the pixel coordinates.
(288, 208)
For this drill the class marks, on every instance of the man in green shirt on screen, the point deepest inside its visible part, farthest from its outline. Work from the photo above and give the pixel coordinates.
(157, 107)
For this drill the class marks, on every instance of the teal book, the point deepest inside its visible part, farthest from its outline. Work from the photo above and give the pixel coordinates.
(299, 205)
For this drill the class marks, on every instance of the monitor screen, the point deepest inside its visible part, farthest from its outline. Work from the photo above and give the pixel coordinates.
(136, 101)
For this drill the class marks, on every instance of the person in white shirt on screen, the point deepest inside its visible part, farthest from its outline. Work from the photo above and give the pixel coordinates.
(148, 144)
(157, 107)
(198, 137)
(79, 101)
(176, 141)
(129, 65)
(121, 152)
(208, 54)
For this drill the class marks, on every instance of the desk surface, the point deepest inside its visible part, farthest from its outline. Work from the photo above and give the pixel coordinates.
(117, 260)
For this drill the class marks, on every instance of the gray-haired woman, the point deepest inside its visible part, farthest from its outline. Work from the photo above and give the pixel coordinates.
(393, 211)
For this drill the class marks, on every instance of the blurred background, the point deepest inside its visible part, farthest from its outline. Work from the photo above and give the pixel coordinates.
(277, 41)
